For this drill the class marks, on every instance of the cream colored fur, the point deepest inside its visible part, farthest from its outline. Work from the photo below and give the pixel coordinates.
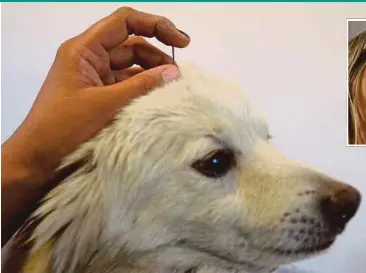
(137, 206)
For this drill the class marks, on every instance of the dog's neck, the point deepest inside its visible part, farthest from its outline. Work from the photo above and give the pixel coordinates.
(170, 259)
(167, 260)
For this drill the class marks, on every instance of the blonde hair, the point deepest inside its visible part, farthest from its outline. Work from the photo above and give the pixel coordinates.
(357, 89)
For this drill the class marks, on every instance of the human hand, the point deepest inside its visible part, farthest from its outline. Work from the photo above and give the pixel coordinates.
(89, 81)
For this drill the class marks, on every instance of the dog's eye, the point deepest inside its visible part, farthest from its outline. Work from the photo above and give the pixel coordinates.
(215, 164)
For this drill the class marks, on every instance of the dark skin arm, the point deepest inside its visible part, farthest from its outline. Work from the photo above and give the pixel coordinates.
(90, 80)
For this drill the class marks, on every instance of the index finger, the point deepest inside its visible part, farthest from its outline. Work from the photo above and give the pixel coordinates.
(114, 29)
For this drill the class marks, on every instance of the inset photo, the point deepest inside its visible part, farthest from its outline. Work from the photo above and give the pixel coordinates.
(356, 82)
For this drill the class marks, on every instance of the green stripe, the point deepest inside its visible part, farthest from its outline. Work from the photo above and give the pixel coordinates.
(189, 1)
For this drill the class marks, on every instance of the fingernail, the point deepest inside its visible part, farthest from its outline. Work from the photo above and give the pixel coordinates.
(185, 34)
(170, 74)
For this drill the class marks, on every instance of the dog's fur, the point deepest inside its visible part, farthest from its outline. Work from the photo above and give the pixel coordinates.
(137, 205)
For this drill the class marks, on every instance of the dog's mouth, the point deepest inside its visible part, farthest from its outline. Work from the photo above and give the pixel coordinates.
(303, 250)
(246, 265)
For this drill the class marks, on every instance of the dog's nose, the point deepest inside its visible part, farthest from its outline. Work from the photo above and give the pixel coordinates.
(339, 207)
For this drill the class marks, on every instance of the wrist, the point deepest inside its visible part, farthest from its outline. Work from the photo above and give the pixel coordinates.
(18, 164)
(21, 187)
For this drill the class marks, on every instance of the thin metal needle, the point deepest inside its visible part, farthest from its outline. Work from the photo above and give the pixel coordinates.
(173, 55)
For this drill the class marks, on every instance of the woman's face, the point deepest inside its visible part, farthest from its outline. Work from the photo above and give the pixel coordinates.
(359, 101)
(363, 89)
(357, 89)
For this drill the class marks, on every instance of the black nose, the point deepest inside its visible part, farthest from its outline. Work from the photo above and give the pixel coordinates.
(339, 207)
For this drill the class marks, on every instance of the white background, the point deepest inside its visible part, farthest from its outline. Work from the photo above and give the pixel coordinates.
(290, 58)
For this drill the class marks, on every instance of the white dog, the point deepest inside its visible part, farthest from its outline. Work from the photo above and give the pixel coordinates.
(186, 180)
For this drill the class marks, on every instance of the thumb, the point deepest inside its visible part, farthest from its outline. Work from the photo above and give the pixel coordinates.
(143, 82)
(104, 101)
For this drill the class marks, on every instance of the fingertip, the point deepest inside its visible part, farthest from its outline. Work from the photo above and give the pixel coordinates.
(170, 73)
(184, 34)
(167, 72)
(186, 39)
(169, 34)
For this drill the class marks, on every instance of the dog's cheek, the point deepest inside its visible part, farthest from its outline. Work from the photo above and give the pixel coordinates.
(267, 184)
(263, 201)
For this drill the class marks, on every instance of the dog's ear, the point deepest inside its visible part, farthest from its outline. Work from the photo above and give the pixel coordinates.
(16, 250)
(68, 212)
(81, 157)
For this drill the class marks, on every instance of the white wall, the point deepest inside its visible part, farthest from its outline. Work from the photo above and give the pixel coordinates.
(291, 58)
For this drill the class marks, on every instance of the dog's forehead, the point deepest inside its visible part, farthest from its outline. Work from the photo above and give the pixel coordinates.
(200, 91)
(209, 87)
(209, 104)
(197, 86)
(197, 105)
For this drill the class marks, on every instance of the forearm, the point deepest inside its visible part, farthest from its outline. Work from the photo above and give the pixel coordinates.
(20, 188)
(25, 179)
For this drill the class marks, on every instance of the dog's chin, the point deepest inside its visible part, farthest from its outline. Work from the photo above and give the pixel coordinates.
(306, 247)
(302, 251)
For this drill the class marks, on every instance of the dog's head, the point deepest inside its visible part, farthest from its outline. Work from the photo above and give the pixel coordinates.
(192, 166)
